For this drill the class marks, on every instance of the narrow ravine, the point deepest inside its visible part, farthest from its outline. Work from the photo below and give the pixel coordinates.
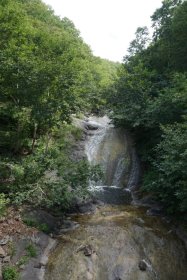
(119, 241)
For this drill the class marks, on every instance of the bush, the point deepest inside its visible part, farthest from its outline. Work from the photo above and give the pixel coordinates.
(168, 178)
(3, 204)
(31, 250)
(34, 223)
(10, 273)
(51, 177)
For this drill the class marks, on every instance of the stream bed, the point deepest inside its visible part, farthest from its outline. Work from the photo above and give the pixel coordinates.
(110, 245)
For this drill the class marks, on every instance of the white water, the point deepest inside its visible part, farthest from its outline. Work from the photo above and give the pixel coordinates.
(95, 139)
(110, 148)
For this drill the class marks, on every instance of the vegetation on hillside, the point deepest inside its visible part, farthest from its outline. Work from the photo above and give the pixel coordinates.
(47, 73)
(150, 99)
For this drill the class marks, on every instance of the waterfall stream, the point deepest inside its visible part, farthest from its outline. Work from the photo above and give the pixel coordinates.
(119, 241)
(110, 148)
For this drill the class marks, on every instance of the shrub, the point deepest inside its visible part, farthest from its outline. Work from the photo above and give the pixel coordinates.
(31, 250)
(3, 204)
(10, 273)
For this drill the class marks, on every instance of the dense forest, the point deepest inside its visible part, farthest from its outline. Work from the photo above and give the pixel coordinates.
(48, 73)
(150, 99)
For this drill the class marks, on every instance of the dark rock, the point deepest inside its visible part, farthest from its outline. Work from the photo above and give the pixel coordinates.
(42, 217)
(154, 212)
(88, 250)
(83, 206)
(91, 126)
(98, 202)
(38, 265)
(147, 200)
(86, 208)
(142, 265)
(41, 265)
(68, 226)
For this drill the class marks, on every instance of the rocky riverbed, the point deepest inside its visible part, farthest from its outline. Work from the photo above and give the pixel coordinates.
(119, 242)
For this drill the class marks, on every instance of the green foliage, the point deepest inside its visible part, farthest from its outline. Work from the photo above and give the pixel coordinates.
(23, 260)
(3, 204)
(150, 99)
(47, 74)
(168, 179)
(51, 177)
(11, 248)
(139, 43)
(44, 227)
(34, 223)
(10, 273)
(31, 250)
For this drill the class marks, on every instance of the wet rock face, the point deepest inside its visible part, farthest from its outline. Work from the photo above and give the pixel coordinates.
(112, 244)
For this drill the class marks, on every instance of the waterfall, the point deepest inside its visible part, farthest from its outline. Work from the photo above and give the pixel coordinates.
(111, 148)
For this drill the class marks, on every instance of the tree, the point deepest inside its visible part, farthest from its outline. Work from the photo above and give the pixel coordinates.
(140, 42)
(168, 178)
(150, 99)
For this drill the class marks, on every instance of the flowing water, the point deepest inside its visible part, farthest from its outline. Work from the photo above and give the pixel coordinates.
(113, 243)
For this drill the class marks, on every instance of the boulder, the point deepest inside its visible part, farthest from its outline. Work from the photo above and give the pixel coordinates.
(154, 212)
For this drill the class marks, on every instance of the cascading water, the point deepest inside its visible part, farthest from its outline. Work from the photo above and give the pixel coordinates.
(110, 148)
(118, 242)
